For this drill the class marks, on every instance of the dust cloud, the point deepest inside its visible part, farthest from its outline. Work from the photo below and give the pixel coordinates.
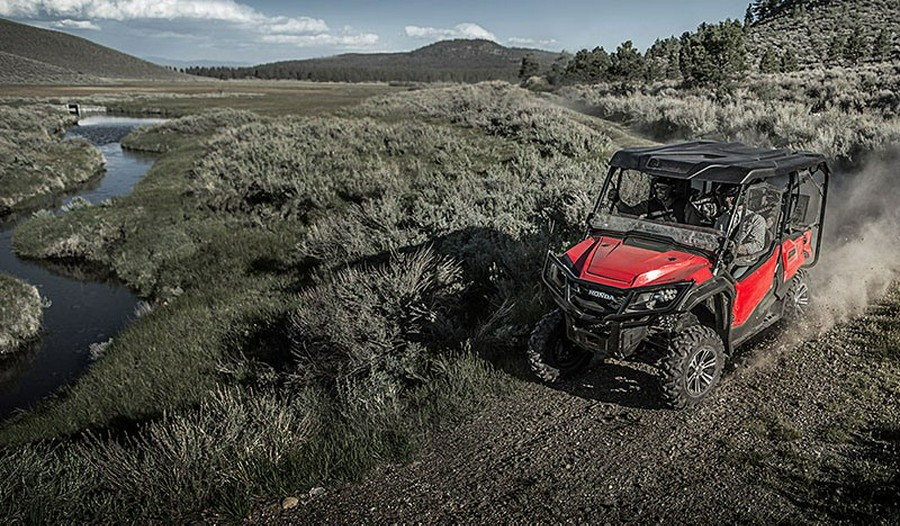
(860, 255)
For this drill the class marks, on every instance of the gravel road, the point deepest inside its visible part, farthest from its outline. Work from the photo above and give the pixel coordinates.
(603, 449)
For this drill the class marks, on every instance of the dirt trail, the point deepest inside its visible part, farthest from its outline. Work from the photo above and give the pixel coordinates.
(602, 449)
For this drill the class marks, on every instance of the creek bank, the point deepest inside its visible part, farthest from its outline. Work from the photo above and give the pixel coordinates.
(38, 162)
(85, 306)
(20, 314)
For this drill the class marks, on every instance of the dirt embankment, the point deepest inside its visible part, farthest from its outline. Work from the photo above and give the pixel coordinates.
(805, 427)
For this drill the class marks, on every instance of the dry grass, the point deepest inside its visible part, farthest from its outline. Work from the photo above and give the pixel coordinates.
(20, 313)
(840, 113)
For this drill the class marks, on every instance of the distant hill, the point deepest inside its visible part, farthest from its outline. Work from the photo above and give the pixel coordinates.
(20, 70)
(450, 60)
(163, 61)
(828, 31)
(66, 58)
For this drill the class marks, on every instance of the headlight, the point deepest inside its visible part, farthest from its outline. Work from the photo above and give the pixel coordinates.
(555, 276)
(659, 299)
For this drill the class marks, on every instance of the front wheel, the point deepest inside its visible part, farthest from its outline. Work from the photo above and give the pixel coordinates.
(692, 367)
(551, 355)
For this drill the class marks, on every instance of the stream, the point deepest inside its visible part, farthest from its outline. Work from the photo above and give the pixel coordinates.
(81, 311)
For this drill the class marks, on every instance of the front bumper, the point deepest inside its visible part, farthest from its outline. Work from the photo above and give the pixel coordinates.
(606, 338)
(595, 314)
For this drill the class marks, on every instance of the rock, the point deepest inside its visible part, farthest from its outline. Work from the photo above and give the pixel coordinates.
(317, 492)
(289, 502)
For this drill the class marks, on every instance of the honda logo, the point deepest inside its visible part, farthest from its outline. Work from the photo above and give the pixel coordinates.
(600, 294)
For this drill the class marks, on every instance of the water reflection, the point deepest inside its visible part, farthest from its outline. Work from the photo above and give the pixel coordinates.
(82, 310)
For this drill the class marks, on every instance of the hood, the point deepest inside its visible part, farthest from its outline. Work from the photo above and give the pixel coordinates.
(636, 263)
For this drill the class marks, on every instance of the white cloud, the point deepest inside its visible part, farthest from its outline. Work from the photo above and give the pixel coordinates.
(298, 25)
(225, 10)
(464, 30)
(75, 24)
(324, 39)
(518, 41)
(81, 14)
(123, 10)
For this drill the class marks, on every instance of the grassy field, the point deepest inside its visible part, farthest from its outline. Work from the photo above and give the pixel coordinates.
(20, 313)
(175, 99)
(327, 281)
(312, 294)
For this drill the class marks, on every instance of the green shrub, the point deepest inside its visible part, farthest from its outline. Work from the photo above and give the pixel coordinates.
(840, 113)
(163, 137)
(376, 324)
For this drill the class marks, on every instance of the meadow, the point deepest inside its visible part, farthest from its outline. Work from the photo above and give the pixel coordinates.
(325, 289)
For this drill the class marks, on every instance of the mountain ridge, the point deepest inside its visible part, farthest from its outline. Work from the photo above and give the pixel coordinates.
(466, 60)
(69, 58)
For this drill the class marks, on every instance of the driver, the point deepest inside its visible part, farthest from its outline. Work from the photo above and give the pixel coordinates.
(750, 237)
(663, 205)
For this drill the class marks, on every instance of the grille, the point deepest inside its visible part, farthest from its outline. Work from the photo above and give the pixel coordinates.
(593, 300)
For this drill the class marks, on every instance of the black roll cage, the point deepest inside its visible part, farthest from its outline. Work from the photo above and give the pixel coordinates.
(748, 180)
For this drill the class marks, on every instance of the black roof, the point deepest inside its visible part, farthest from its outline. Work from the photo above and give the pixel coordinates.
(733, 162)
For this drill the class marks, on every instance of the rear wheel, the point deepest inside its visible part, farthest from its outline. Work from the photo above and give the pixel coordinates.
(692, 367)
(797, 299)
(551, 355)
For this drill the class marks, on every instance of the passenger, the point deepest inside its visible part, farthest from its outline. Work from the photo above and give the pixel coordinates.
(663, 205)
(750, 237)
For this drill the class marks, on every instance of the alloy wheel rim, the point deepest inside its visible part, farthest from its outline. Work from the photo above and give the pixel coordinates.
(701, 371)
(801, 297)
(565, 356)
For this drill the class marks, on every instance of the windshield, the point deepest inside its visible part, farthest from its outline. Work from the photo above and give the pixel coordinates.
(690, 213)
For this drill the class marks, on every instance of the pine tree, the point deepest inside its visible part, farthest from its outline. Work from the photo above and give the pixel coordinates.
(557, 73)
(748, 16)
(789, 62)
(882, 45)
(769, 62)
(529, 68)
(714, 54)
(598, 64)
(588, 66)
(661, 60)
(627, 63)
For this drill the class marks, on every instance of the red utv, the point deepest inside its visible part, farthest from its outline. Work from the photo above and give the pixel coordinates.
(691, 249)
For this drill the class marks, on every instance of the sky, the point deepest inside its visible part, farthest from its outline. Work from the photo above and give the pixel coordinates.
(254, 32)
